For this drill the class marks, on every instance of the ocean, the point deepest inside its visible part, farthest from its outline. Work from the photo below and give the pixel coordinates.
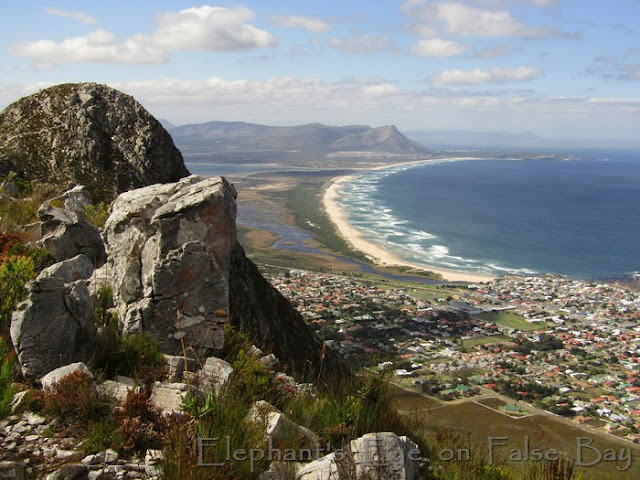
(578, 217)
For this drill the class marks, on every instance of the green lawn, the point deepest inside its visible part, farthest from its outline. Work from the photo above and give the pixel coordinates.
(511, 320)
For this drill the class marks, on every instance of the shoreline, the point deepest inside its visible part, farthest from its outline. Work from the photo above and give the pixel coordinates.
(376, 252)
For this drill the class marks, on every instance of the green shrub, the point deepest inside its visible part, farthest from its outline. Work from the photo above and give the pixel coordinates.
(138, 356)
(97, 214)
(15, 272)
(40, 257)
(7, 391)
(101, 435)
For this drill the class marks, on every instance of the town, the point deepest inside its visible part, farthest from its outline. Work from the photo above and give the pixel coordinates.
(564, 346)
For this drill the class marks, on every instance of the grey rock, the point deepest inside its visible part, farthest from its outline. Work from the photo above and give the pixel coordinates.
(386, 454)
(34, 419)
(54, 326)
(89, 134)
(169, 246)
(17, 400)
(72, 269)
(9, 188)
(169, 396)
(255, 353)
(66, 234)
(214, 375)
(76, 199)
(278, 427)
(72, 471)
(118, 389)
(325, 468)
(152, 463)
(13, 470)
(178, 366)
(54, 376)
(374, 455)
(270, 362)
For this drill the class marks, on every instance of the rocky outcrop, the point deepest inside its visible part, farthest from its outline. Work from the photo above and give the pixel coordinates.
(89, 134)
(169, 248)
(54, 326)
(65, 235)
(180, 275)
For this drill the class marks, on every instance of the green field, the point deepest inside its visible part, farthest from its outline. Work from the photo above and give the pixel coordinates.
(511, 320)
(540, 431)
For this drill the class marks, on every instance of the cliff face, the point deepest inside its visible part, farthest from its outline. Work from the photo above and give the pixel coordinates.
(260, 310)
(88, 134)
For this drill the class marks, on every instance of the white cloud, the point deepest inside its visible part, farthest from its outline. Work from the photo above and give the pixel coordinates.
(79, 16)
(436, 47)
(361, 44)
(456, 18)
(210, 28)
(310, 24)
(204, 28)
(478, 76)
(97, 46)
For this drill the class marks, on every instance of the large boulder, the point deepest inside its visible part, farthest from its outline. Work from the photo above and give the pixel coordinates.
(278, 428)
(54, 376)
(179, 274)
(70, 270)
(87, 134)
(169, 246)
(382, 455)
(65, 235)
(54, 326)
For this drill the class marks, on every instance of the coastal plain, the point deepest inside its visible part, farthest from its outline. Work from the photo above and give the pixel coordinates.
(287, 219)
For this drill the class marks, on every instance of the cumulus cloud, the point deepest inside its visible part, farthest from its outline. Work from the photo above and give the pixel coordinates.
(79, 16)
(457, 18)
(311, 24)
(436, 47)
(479, 76)
(203, 28)
(210, 28)
(97, 46)
(361, 44)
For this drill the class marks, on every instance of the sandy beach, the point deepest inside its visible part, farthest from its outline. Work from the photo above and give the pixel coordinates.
(376, 252)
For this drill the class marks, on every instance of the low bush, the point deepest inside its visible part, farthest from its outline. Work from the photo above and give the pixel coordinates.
(75, 400)
(15, 272)
(141, 423)
(101, 435)
(7, 391)
(97, 214)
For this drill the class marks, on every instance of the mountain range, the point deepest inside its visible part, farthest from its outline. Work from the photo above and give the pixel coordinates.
(247, 142)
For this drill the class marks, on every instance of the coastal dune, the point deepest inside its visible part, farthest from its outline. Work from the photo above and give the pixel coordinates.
(377, 253)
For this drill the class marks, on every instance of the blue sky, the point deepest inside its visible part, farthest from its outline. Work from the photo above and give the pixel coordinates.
(556, 68)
